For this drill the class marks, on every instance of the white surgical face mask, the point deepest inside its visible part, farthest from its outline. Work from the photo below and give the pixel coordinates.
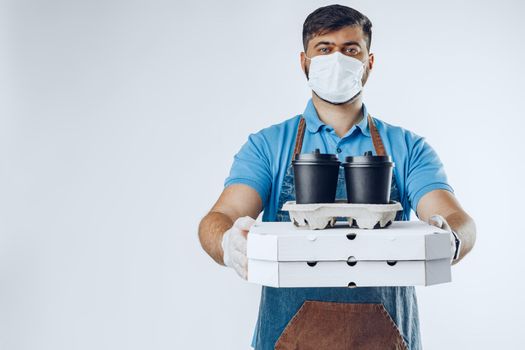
(335, 77)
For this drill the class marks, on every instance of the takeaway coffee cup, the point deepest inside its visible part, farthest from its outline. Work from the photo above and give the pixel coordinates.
(368, 178)
(315, 176)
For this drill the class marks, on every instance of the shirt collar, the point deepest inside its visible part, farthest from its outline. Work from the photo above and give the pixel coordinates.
(314, 124)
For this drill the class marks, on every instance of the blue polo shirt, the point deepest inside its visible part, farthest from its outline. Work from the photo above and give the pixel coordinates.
(262, 161)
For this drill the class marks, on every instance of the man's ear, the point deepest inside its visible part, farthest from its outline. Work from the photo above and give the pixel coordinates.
(303, 61)
(371, 61)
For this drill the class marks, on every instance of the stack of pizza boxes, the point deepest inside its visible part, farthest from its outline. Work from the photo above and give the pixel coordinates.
(395, 253)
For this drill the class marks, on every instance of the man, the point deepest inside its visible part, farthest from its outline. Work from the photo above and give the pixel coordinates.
(337, 62)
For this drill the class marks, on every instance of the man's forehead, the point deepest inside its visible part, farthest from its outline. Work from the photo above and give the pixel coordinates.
(340, 36)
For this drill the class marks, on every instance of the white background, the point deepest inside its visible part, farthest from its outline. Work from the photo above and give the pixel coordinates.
(118, 125)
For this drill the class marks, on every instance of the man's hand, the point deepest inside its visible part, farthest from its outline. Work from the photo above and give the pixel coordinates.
(445, 204)
(236, 201)
(234, 246)
(440, 222)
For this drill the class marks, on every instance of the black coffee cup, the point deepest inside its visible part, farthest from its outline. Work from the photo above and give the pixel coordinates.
(315, 176)
(368, 178)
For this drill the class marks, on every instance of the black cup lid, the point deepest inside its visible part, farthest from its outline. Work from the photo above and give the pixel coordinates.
(316, 156)
(368, 158)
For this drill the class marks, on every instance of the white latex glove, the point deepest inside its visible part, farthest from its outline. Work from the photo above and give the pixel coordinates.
(234, 246)
(439, 221)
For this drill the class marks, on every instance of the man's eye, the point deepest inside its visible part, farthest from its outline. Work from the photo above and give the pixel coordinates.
(352, 51)
(324, 49)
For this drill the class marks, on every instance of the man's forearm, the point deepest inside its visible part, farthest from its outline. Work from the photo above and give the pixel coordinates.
(465, 227)
(211, 230)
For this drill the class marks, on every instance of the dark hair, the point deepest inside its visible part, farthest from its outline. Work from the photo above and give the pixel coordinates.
(334, 17)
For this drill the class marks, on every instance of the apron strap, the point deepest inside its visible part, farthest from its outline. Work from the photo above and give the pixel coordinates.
(376, 138)
(299, 138)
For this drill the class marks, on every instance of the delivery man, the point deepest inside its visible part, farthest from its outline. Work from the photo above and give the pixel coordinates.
(336, 61)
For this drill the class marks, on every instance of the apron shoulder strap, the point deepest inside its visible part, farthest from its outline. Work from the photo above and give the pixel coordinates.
(376, 138)
(299, 138)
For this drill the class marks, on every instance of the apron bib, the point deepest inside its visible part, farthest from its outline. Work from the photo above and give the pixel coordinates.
(336, 318)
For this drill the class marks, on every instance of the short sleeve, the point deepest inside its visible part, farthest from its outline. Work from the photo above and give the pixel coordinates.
(251, 166)
(425, 171)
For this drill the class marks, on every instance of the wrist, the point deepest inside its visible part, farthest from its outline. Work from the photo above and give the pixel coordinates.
(224, 246)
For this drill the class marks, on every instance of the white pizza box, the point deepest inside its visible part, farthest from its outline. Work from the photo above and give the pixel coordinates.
(402, 240)
(341, 274)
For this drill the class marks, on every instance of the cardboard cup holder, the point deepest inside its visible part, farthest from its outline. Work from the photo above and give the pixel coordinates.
(320, 216)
